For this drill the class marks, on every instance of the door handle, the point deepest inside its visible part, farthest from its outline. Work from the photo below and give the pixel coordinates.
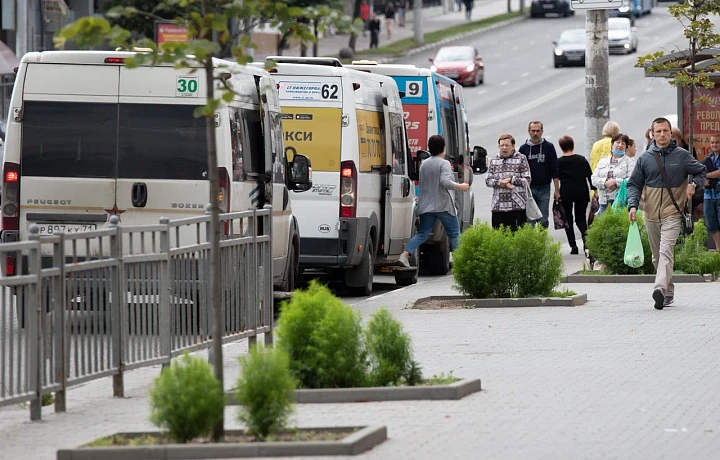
(139, 194)
(406, 187)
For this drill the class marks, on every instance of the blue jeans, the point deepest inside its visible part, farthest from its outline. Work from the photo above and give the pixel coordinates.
(711, 209)
(541, 195)
(427, 220)
(603, 207)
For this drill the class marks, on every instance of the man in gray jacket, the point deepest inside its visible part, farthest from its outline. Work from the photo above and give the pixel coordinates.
(435, 202)
(662, 219)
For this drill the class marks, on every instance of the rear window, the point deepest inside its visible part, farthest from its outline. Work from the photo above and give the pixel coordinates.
(161, 142)
(134, 141)
(69, 139)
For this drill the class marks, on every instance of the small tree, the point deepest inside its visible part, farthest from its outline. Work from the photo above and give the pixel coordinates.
(209, 26)
(695, 17)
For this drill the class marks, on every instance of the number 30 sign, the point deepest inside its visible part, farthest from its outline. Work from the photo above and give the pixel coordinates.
(186, 87)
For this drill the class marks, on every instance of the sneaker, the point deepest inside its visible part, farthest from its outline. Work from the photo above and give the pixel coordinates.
(659, 299)
(574, 250)
(668, 300)
(403, 260)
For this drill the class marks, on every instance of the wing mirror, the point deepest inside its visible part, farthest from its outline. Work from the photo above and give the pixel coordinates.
(300, 174)
(431, 60)
(420, 156)
(479, 160)
(554, 42)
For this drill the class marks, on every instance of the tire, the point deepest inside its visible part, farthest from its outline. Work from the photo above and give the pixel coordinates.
(476, 81)
(440, 258)
(482, 79)
(557, 65)
(291, 272)
(360, 278)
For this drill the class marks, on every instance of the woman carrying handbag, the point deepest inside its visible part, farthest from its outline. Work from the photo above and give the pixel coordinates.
(509, 177)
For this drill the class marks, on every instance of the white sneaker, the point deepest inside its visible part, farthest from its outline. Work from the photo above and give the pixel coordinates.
(403, 260)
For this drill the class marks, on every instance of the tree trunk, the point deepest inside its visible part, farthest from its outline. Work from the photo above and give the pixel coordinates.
(315, 32)
(303, 49)
(356, 14)
(215, 294)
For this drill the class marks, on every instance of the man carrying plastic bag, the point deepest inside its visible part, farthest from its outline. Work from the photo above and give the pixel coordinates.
(634, 256)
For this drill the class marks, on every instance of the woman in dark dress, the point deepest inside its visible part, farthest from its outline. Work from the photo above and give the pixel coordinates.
(575, 176)
(389, 18)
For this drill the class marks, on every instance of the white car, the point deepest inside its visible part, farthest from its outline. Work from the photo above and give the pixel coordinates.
(622, 36)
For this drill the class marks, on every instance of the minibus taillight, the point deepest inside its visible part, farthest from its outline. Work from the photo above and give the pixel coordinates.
(348, 189)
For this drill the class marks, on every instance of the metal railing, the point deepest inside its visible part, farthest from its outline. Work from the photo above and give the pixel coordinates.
(85, 306)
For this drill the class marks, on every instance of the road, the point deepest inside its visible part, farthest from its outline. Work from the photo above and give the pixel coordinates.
(521, 84)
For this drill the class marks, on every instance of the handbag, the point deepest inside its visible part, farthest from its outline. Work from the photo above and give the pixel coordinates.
(559, 217)
(532, 211)
(687, 219)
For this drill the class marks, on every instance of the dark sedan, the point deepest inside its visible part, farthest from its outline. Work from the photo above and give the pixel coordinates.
(570, 48)
(540, 8)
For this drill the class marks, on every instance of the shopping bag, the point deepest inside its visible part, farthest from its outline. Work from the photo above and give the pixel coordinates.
(634, 256)
(532, 211)
(621, 199)
(559, 217)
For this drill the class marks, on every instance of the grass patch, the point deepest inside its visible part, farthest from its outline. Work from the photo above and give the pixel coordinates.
(565, 293)
(161, 439)
(400, 46)
(605, 272)
(441, 379)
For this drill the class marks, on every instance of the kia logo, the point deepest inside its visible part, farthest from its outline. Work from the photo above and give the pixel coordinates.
(324, 228)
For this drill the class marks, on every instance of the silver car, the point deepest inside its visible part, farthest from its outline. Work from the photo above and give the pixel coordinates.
(622, 36)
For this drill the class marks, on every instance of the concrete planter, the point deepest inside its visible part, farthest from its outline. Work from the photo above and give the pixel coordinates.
(680, 278)
(356, 442)
(464, 302)
(453, 391)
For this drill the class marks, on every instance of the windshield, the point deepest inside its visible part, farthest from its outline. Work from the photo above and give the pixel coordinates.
(618, 25)
(455, 54)
(573, 36)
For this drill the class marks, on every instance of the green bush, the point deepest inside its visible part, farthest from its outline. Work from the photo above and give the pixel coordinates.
(692, 256)
(323, 338)
(265, 391)
(499, 263)
(606, 240)
(388, 349)
(186, 399)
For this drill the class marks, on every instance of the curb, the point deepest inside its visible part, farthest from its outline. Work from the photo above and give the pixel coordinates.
(466, 302)
(454, 391)
(423, 48)
(680, 278)
(355, 443)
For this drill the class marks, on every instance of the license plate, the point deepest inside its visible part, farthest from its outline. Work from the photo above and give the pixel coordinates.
(51, 229)
(574, 58)
(548, 7)
(452, 74)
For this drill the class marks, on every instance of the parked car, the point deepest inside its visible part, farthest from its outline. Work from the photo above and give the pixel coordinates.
(461, 63)
(622, 36)
(540, 8)
(570, 48)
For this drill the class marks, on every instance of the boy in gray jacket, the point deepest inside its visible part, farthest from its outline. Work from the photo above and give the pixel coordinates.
(662, 219)
(435, 202)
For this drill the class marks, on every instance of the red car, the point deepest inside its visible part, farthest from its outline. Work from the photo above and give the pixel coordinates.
(461, 63)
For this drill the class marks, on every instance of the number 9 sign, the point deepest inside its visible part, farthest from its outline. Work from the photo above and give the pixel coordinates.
(413, 89)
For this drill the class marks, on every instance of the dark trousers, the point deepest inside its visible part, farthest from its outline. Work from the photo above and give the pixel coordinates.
(580, 207)
(374, 38)
(512, 219)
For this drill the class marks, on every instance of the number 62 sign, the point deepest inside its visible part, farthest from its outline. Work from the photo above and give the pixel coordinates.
(186, 87)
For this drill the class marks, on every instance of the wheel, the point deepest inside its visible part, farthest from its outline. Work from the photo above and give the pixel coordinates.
(557, 64)
(360, 278)
(572, 12)
(291, 272)
(566, 13)
(476, 80)
(440, 258)
(482, 79)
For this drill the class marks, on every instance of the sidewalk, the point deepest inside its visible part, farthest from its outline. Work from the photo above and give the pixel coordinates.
(611, 379)
(433, 19)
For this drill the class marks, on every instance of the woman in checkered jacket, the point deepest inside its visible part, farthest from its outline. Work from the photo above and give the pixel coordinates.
(508, 175)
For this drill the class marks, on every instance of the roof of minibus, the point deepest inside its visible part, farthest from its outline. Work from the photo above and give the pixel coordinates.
(98, 57)
(325, 71)
(395, 70)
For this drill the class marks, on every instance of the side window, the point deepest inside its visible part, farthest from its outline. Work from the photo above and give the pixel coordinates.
(236, 144)
(398, 152)
(252, 136)
(450, 132)
(278, 152)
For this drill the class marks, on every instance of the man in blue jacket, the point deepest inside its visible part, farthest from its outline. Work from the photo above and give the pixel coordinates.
(542, 157)
(663, 214)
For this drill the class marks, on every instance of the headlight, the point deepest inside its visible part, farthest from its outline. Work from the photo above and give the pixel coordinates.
(626, 45)
(433, 68)
(470, 68)
(558, 52)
